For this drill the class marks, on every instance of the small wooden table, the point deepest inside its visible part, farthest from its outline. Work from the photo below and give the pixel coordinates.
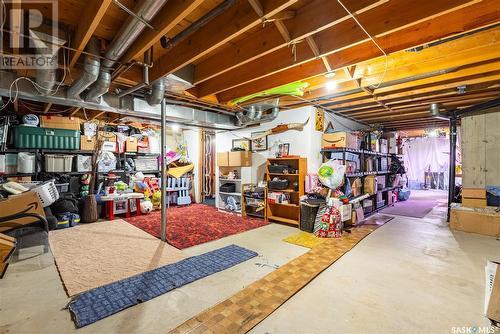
(110, 200)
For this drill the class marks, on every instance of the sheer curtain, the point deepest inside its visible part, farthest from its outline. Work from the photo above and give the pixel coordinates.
(420, 154)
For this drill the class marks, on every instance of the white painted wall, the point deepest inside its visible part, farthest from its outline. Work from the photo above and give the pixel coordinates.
(192, 139)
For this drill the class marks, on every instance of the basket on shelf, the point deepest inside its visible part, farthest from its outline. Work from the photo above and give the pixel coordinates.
(279, 184)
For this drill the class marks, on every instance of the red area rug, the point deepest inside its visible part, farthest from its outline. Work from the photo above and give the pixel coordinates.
(195, 224)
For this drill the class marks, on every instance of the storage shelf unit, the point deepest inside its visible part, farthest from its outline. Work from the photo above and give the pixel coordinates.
(253, 204)
(362, 173)
(288, 213)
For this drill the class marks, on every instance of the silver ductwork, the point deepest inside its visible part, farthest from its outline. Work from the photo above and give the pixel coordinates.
(157, 93)
(46, 76)
(261, 112)
(129, 32)
(90, 72)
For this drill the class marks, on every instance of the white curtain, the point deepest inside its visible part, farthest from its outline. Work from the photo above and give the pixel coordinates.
(424, 154)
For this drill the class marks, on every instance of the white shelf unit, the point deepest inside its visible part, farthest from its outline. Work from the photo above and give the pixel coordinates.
(243, 174)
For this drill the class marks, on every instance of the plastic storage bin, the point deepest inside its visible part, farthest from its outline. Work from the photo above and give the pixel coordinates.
(146, 164)
(34, 137)
(58, 163)
(26, 162)
(62, 188)
(83, 163)
(308, 211)
(2, 163)
(493, 195)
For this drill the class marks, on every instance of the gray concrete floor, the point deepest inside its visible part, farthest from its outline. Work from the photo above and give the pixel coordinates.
(411, 275)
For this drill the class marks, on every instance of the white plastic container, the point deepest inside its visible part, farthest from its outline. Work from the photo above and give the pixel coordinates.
(58, 163)
(26, 162)
(107, 162)
(2, 163)
(146, 164)
(83, 163)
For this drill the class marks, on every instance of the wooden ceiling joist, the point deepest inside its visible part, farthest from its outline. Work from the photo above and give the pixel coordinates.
(315, 16)
(474, 16)
(236, 20)
(95, 10)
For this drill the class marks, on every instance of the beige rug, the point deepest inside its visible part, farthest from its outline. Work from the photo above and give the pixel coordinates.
(92, 255)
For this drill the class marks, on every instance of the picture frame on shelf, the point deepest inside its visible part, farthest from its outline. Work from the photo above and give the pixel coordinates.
(241, 145)
(259, 144)
(284, 150)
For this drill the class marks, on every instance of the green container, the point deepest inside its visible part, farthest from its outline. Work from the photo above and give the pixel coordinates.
(34, 137)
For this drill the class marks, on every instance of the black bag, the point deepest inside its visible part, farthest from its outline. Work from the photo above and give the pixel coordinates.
(67, 203)
(279, 184)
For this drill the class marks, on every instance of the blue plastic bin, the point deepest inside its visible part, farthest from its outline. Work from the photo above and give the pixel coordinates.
(493, 195)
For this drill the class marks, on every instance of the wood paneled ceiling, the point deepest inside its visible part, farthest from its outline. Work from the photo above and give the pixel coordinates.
(445, 51)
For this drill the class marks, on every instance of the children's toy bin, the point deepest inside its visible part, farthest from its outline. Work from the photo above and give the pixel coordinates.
(58, 163)
(34, 137)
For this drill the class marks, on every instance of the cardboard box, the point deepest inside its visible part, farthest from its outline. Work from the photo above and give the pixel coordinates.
(492, 291)
(240, 159)
(19, 179)
(87, 143)
(481, 222)
(474, 193)
(27, 202)
(223, 159)
(58, 122)
(474, 202)
(345, 212)
(339, 139)
(131, 144)
(370, 184)
(108, 141)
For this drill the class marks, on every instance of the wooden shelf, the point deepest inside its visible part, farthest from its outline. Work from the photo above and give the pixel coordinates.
(284, 220)
(229, 180)
(283, 191)
(283, 174)
(232, 194)
(285, 204)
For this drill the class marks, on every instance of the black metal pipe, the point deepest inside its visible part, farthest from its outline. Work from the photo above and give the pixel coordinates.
(453, 152)
(478, 107)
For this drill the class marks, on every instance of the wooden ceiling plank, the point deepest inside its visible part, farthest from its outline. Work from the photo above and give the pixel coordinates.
(316, 16)
(474, 16)
(233, 22)
(86, 27)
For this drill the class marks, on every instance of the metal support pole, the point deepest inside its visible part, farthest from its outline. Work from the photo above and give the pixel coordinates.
(453, 149)
(163, 171)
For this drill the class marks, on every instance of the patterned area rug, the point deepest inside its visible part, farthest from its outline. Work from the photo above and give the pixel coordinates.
(91, 255)
(102, 302)
(195, 224)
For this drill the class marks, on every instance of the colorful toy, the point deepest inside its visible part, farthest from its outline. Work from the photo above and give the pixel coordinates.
(156, 199)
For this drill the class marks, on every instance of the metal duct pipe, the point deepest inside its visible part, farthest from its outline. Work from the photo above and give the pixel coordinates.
(90, 72)
(157, 93)
(129, 32)
(259, 117)
(435, 111)
(46, 77)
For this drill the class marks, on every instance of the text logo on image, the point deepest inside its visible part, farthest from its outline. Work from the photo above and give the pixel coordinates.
(29, 34)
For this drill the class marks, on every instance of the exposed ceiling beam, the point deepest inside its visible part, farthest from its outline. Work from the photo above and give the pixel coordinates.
(233, 22)
(94, 11)
(313, 17)
(172, 13)
(474, 16)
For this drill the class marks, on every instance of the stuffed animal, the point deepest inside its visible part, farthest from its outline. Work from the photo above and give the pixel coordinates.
(146, 207)
(156, 199)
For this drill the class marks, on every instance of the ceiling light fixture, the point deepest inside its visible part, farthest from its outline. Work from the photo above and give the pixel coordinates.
(331, 85)
(175, 127)
(330, 74)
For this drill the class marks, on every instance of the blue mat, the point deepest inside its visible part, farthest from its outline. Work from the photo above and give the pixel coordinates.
(104, 301)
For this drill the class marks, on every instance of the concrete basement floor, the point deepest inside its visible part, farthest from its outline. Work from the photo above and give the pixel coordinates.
(411, 275)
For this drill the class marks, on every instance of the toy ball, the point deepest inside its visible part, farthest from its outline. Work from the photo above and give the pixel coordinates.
(146, 207)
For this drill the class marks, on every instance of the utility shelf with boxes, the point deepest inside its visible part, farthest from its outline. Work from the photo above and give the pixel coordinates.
(368, 160)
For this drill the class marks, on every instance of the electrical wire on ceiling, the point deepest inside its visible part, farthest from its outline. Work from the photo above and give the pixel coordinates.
(374, 42)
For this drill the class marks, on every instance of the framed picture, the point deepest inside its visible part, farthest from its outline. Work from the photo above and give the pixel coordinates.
(241, 144)
(284, 150)
(259, 144)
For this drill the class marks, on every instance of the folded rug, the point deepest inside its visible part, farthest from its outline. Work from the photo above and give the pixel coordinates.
(104, 301)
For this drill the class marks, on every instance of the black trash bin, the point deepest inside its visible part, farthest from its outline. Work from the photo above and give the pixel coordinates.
(308, 211)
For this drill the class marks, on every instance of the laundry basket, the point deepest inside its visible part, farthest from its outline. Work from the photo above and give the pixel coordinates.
(47, 192)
